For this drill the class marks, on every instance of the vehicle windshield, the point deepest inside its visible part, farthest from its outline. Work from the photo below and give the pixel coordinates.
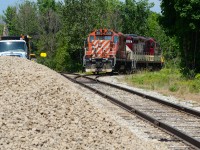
(13, 46)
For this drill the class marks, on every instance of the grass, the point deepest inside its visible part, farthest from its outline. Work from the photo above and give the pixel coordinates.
(166, 81)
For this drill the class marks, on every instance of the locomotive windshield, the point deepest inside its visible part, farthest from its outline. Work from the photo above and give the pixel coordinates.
(91, 38)
(106, 37)
(116, 39)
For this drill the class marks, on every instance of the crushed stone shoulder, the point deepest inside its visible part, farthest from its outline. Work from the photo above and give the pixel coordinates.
(40, 109)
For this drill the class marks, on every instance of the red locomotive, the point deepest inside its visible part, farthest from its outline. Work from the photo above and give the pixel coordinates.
(107, 51)
(102, 48)
(143, 52)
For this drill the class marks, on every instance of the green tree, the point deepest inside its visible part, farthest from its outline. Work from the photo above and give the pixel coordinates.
(182, 19)
(10, 18)
(79, 18)
(27, 19)
(169, 45)
(135, 15)
(113, 15)
(1, 25)
(49, 26)
(1, 29)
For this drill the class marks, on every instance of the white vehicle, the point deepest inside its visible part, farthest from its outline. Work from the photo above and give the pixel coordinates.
(16, 48)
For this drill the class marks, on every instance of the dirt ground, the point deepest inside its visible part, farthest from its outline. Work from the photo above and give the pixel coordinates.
(184, 97)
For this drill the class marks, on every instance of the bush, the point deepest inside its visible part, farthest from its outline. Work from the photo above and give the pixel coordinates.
(194, 86)
(174, 88)
(197, 76)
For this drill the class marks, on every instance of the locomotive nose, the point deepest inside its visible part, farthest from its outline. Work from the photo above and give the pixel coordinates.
(93, 46)
(99, 44)
(111, 44)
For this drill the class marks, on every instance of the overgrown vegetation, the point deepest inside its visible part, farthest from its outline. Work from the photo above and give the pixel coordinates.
(166, 81)
(182, 19)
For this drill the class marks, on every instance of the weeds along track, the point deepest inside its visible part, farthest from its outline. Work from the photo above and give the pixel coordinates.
(179, 121)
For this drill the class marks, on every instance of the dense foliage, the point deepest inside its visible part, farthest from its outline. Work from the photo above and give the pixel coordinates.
(182, 19)
(167, 82)
(60, 28)
(1, 25)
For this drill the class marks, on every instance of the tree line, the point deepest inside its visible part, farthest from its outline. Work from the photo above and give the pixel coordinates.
(181, 19)
(60, 28)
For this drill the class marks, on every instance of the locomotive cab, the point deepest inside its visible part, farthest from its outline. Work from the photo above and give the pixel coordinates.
(100, 50)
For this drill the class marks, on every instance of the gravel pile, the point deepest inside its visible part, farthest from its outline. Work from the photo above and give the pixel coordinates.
(40, 109)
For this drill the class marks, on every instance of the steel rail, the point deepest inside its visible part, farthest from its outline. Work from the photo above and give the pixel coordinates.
(155, 99)
(169, 129)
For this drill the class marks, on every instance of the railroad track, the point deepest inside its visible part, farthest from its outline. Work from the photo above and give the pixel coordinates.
(182, 122)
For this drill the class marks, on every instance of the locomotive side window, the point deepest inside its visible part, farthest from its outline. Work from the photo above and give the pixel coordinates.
(116, 39)
(128, 41)
(91, 38)
(152, 45)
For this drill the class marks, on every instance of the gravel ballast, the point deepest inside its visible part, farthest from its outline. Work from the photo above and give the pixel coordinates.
(120, 80)
(40, 109)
